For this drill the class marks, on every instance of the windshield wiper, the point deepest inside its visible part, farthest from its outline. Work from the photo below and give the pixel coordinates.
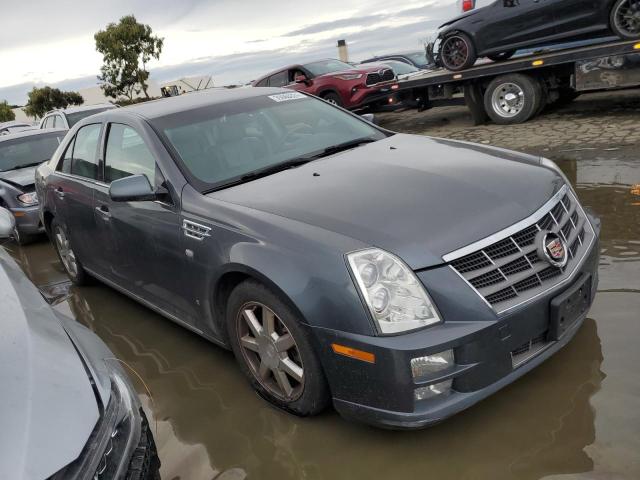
(341, 147)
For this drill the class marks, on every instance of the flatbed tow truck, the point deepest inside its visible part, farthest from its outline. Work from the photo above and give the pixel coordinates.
(517, 90)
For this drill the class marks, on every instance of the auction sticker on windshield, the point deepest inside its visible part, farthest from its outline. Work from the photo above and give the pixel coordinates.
(284, 97)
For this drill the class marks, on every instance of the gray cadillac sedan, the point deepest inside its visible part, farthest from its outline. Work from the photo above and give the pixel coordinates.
(401, 278)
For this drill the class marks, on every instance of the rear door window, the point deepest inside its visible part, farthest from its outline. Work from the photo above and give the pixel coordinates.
(127, 155)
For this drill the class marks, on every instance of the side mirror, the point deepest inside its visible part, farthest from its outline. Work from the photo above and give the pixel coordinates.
(301, 78)
(369, 117)
(135, 188)
(7, 223)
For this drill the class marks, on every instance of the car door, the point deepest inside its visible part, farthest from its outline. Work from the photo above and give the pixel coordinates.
(140, 239)
(577, 17)
(73, 186)
(509, 24)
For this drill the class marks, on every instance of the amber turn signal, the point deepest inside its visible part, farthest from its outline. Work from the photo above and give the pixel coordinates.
(353, 353)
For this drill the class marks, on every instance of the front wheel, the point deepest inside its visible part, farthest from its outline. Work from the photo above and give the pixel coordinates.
(625, 19)
(332, 98)
(72, 265)
(274, 351)
(511, 99)
(457, 52)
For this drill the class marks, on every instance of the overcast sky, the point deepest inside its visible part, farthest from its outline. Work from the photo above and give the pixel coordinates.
(51, 42)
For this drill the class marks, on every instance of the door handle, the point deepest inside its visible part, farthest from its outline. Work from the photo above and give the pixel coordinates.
(59, 192)
(103, 210)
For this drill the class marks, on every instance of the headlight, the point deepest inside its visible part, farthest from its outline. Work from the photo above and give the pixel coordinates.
(110, 446)
(394, 295)
(29, 199)
(349, 76)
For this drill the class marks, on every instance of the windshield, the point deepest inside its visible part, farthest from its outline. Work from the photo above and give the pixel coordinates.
(220, 144)
(27, 151)
(327, 66)
(75, 117)
(419, 58)
(401, 68)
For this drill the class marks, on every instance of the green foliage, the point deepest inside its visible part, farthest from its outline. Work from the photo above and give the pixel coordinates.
(126, 48)
(41, 100)
(126, 102)
(6, 114)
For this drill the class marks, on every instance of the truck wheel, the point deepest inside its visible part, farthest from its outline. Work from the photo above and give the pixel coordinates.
(274, 351)
(512, 99)
(457, 52)
(332, 98)
(502, 56)
(625, 19)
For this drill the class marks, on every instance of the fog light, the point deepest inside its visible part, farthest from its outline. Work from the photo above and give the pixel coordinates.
(424, 366)
(437, 390)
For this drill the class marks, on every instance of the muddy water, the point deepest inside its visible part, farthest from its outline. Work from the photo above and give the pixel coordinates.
(576, 414)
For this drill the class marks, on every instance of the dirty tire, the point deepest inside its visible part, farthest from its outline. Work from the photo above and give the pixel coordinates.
(457, 52)
(502, 56)
(332, 98)
(527, 89)
(314, 396)
(80, 277)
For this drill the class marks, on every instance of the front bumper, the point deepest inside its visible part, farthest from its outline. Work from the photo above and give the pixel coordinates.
(382, 393)
(28, 220)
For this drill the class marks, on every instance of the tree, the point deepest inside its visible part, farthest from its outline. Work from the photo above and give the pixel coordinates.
(126, 48)
(6, 114)
(41, 100)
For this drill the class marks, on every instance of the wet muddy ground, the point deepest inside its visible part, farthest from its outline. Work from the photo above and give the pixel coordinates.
(575, 417)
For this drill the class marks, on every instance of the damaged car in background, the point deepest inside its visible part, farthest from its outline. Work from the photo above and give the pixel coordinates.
(67, 409)
(400, 278)
(20, 154)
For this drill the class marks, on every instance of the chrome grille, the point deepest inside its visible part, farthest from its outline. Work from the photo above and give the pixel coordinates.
(506, 269)
(384, 75)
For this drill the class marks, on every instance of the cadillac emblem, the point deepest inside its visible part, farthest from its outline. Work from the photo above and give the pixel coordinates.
(553, 249)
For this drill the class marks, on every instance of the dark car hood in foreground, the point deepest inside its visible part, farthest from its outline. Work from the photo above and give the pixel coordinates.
(47, 406)
(417, 197)
(22, 177)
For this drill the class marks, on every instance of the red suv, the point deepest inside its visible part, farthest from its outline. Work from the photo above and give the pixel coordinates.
(336, 82)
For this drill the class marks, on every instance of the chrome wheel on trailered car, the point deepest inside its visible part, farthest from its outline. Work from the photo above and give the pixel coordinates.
(274, 350)
(625, 18)
(457, 52)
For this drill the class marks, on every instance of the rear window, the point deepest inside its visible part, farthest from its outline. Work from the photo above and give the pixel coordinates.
(28, 151)
(75, 117)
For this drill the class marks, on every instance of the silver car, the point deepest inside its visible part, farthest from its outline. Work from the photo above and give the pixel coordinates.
(67, 409)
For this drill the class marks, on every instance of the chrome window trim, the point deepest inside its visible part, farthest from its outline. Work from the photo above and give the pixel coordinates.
(509, 231)
(78, 177)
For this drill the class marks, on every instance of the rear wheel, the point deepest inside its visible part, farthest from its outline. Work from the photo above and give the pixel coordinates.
(512, 99)
(457, 52)
(67, 255)
(625, 19)
(332, 98)
(502, 56)
(274, 351)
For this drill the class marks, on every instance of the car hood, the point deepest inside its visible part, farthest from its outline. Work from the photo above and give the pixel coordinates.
(22, 177)
(415, 196)
(48, 407)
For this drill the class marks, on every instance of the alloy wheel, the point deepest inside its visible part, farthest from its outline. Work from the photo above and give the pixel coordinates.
(270, 351)
(66, 253)
(508, 100)
(455, 52)
(627, 17)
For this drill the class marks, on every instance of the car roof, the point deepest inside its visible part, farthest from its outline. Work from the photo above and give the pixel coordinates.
(397, 54)
(15, 123)
(190, 101)
(83, 108)
(31, 133)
